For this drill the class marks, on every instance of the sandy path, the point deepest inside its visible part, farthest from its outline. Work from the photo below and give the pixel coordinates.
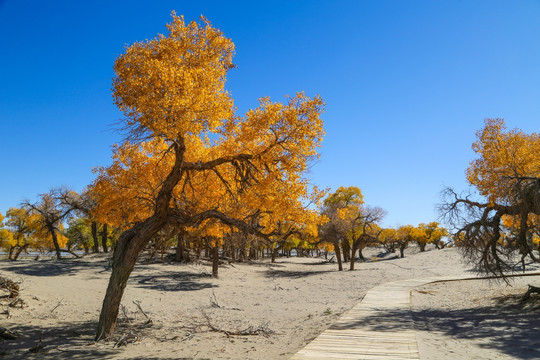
(294, 300)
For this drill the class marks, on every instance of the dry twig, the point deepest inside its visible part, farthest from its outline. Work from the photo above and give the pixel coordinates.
(262, 329)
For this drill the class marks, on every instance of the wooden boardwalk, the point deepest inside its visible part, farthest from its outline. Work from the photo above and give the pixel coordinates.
(379, 327)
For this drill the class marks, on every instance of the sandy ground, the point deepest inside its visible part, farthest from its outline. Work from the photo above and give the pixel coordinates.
(290, 302)
(477, 319)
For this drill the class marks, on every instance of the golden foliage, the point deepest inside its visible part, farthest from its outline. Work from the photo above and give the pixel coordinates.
(171, 90)
(504, 156)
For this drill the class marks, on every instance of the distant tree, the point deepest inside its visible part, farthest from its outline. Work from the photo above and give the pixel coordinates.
(21, 225)
(339, 208)
(405, 235)
(52, 209)
(364, 229)
(79, 233)
(6, 236)
(387, 238)
(430, 233)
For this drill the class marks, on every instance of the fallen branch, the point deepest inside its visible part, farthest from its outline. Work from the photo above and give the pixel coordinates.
(138, 303)
(250, 330)
(214, 301)
(128, 338)
(57, 305)
(7, 334)
(17, 302)
(10, 286)
(530, 291)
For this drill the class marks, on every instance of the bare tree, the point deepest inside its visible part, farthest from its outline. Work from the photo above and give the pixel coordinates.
(479, 230)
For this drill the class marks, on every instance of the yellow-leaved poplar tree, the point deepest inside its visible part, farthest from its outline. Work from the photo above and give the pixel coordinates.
(188, 158)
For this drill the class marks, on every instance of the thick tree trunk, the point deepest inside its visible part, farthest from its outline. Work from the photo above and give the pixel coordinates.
(180, 246)
(422, 247)
(402, 250)
(132, 243)
(126, 252)
(346, 250)
(233, 252)
(104, 234)
(215, 260)
(55, 241)
(95, 236)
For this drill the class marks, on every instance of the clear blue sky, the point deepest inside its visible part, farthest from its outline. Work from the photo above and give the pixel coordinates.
(407, 84)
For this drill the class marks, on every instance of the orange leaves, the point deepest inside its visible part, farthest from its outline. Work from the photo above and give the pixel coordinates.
(171, 90)
(503, 157)
(6, 236)
(174, 84)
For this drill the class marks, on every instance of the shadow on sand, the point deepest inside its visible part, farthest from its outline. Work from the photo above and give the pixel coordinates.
(271, 273)
(511, 329)
(60, 341)
(173, 281)
(53, 267)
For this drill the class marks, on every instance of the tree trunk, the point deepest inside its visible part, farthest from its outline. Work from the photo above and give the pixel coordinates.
(274, 253)
(180, 246)
(346, 250)
(360, 255)
(104, 238)
(233, 252)
(55, 241)
(19, 251)
(95, 237)
(353, 254)
(338, 256)
(402, 250)
(215, 260)
(422, 247)
(125, 255)
(132, 243)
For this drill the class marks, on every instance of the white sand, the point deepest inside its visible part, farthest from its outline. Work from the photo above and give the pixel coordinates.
(477, 319)
(294, 299)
